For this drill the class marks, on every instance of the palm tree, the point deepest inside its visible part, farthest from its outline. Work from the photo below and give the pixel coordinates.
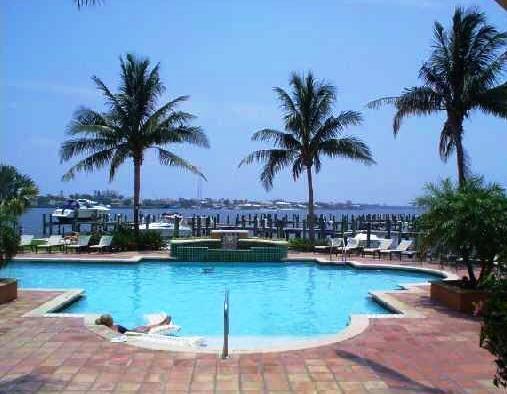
(16, 191)
(311, 131)
(131, 125)
(461, 75)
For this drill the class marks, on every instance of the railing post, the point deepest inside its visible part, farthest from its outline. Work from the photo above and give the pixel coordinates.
(225, 350)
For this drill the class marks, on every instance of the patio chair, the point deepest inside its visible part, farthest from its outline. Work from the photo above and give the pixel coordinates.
(54, 241)
(403, 249)
(383, 244)
(104, 243)
(352, 245)
(333, 244)
(25, 241)
(82, 243)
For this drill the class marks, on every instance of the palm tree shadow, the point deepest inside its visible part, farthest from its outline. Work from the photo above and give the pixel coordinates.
(403, 381)
(29, 383)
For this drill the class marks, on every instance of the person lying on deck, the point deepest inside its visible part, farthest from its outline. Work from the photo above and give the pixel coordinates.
(107, 320)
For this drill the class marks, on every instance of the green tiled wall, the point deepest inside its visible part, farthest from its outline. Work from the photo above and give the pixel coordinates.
(203, 253)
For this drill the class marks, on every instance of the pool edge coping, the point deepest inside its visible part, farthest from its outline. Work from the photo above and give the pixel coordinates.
(358, 323)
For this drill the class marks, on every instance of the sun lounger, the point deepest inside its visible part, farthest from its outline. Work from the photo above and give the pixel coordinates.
(54, 241)
(167, 340)
(383, 244)
(104, 243)
(403, 249)
(352, 245)
(82, 243)
(334, 244)
(25, 242)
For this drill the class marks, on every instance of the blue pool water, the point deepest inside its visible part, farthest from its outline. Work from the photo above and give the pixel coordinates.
(266, 299)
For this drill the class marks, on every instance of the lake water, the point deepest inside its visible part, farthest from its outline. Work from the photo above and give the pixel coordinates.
(31, 221)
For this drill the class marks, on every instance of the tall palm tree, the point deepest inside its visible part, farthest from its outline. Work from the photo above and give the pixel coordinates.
(461, 75)
(132, 124)
(311, 131)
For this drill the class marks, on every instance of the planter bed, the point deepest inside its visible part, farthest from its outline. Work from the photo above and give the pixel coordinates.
(459, 299)
(8, 290)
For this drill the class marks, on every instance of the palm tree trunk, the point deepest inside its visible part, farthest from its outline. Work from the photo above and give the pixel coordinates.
(311, 215)
(470, 268)
(460, 155)
(137, 191)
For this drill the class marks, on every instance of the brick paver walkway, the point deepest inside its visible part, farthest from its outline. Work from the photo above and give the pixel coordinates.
(436, 354)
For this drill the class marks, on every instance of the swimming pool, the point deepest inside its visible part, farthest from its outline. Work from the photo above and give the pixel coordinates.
(295, 300)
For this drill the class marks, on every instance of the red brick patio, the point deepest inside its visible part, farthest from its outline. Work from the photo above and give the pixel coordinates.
(436, 354)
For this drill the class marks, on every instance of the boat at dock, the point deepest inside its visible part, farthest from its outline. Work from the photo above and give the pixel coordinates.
(80, 209)
(166, 226)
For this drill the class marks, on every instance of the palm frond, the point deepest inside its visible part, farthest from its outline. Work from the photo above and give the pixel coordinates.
(416, 101)
(180, 134)
(493, 101)
(95, 161)
(121, 154)
(83, 146)
(277, 160)
(447, 143)
(347, 147)
(378, 103)
(333, 126)
(84, 3)
(168, 158)
(280, 139)
(111, 99)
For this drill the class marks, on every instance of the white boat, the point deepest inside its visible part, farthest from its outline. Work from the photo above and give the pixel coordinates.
(85, 209)
(166, 226)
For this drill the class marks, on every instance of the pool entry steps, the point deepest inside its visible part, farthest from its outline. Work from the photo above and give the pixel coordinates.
(229, 245)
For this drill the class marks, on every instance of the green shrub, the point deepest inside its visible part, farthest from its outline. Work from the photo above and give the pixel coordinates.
(9, 239)
(469, 221)
(124, 238)
(305, 245)
(150, 240)
(494, 327)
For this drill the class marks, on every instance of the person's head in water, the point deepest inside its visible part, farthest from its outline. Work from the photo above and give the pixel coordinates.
(105, 320)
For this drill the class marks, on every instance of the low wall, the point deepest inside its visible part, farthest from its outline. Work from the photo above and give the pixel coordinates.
(249, 250)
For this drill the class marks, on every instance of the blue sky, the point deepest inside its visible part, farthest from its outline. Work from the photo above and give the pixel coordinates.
(227, 55)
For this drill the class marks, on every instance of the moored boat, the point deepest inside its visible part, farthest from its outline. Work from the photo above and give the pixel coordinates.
(166, 226)
(80, 209)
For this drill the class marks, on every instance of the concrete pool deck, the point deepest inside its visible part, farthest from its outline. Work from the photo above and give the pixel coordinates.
(435, 352)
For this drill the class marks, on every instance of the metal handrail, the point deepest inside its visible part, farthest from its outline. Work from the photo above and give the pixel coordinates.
(225, 350)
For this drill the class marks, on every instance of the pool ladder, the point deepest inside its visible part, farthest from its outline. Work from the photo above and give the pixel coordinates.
(225, 350)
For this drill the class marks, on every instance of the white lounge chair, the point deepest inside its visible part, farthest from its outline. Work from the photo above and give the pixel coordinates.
(104, 243)
(166, 340)
(54, 241)
(333, 244)
(82, 243)
(352, 244)
(403, 249)
(25, 241)
(383, 244)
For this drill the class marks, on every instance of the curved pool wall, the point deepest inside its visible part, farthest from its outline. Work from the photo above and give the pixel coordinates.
(210, 249)
(289, 307)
